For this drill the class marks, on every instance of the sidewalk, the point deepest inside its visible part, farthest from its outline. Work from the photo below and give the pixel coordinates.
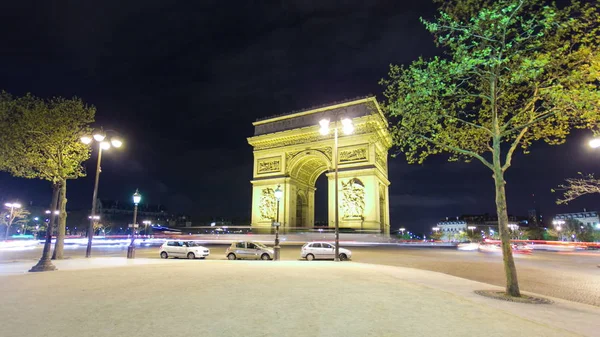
(151, 297)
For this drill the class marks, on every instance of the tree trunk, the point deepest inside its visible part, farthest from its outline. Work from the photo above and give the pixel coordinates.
(7, 230)
(44, 264)
(62, 223)
(512, 284)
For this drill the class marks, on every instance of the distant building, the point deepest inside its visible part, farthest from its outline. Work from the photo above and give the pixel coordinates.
(116, 216)
(449, 226)
(534, 217)
(485, 223)
(589, 218)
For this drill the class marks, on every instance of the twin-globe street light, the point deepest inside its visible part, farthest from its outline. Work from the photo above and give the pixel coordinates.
(12, 206)
(277, 248)
(558, 226)
(146, 223)
(99, 136)
(137, 197)
(348, 128)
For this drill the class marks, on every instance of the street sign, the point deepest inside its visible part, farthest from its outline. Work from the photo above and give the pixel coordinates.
(275, 224)
(134, 226)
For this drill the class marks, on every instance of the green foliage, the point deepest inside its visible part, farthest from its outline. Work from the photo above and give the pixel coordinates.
(41, 138)
(574, 230)
(535, 233)
(576, 187)
(18, 218)
(514, 73)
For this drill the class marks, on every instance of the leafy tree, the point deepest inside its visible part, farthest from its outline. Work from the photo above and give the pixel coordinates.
(535, 233)
(436, 235)
(576, 187)
(514, 72)
(44, 143)
(18, 217)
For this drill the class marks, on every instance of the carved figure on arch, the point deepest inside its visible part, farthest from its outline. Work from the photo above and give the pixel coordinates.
(268, 204)
(353, 199)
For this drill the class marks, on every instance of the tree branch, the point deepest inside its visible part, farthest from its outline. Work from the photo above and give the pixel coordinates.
(459, 150)
(537, 119)
(577, 187)
(513, 147)
(469, 123)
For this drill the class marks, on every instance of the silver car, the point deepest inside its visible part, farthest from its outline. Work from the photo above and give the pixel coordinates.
(248, 250)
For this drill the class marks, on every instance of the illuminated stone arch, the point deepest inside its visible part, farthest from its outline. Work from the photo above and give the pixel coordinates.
(290, 152)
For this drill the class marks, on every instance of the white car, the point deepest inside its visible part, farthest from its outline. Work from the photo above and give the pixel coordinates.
(179, 248)
(323, 250)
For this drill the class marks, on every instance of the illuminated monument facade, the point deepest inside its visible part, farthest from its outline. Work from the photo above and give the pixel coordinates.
(290, 152)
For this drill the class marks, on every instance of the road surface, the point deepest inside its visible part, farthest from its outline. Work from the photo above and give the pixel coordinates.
(569, 275)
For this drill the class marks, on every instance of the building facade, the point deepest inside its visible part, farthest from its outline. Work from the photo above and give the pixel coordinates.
(589, 218)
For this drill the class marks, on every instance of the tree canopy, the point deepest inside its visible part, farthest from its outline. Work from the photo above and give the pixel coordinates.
(41, 138)
(517, 70)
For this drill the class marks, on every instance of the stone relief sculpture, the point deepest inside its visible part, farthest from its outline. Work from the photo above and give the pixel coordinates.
(268, 204)
(353, 155)
(265, 166)
(353, 199)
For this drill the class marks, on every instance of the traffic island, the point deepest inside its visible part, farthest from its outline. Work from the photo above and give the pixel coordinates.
(501, 295)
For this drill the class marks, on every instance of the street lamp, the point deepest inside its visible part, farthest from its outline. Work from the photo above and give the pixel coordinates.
(12, 206)
(146, 223)
(472, 228)
(137, 197)
(94, 219)
(595, 143)
(276, 249)
(99, 136)
(558, 226)
(347, 128)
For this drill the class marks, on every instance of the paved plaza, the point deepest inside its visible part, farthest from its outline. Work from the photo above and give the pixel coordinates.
(151, 297)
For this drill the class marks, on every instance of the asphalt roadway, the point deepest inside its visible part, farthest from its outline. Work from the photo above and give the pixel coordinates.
(572, 276)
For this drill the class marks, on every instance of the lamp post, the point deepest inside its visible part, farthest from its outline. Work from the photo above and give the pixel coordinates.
(137, 197)
(99, 136)
(348, 128)
(276, 249)
(94, 219)
(558, 226)
(146, 223)
(11, 217)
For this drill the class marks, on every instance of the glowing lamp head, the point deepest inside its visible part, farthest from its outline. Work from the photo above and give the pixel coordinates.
(324, 123)
(99, 136)
(86, 139)
(116, 142)
(347, 126)
(278, 193)
(137, 197)
(104, 145)
(12, 205)
(595, 143)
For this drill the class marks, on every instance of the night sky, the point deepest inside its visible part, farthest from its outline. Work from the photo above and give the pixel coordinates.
(182, 81)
